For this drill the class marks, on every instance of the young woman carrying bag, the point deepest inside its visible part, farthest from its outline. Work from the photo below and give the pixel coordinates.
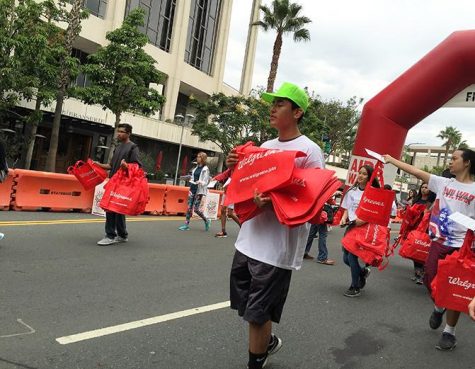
(452, 195)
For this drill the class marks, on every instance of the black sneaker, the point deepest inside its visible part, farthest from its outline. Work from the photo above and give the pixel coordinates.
(365, 272)
(275, 344)
(436, 319)
(260, 363)
(447, 342)
(352, 292)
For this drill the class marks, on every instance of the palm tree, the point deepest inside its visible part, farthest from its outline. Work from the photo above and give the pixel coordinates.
(453, 138)
(284, 18)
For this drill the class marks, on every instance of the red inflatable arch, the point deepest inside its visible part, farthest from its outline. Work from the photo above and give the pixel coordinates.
(421, 90)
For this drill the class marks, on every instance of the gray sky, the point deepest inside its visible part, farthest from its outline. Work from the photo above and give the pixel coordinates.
(357, 49)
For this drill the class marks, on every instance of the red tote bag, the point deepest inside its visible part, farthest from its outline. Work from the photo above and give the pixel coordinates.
(454, 285)
(417, 244)
(370, 242)
(88, 173)
(376, 203)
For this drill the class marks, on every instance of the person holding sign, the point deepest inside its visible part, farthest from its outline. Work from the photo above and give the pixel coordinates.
(266, 250)
(452, 195)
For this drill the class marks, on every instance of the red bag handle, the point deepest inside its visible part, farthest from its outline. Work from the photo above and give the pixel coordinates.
(466, 249)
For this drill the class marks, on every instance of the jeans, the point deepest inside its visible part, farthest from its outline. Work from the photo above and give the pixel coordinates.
(322, 230)
(115, 225)
(352, 261)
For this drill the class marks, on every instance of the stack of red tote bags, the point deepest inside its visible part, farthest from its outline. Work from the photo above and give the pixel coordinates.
(126, 192)
(298, 195)
(88, 173)
(370, 242)
(454, 285)
(417, 244)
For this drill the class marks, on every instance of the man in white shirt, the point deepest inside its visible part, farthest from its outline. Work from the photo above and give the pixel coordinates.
(267, 251)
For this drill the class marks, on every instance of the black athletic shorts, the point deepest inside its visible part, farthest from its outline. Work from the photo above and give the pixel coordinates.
(258, 290)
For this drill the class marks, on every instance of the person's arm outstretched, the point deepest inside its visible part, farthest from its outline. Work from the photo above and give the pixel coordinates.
(408, 168)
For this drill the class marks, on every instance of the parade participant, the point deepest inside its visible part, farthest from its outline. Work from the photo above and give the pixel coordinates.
(452, 195)
(198, 189)
(126, 152)
(267, 251)
(350, 203)
(471, 309)
(424, 197)
(226, 211)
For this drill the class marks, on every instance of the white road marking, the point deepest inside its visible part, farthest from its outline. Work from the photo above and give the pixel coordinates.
(139, 323)
(30, 330)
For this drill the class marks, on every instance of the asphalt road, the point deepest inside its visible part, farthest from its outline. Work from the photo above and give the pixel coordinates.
(55, 283)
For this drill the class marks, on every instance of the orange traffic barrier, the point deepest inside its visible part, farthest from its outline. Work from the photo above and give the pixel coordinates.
(34, 190)
(176, 200)
(6, 191)
(156, 201)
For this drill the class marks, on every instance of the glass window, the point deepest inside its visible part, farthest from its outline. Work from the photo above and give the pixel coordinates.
(202, 31)
(158, 20)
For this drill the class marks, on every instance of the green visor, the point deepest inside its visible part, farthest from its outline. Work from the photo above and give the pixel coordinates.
(288, 91)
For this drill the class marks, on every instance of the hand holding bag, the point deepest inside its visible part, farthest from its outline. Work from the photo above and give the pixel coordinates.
(88, 173)
(454, 285)
(376, 203)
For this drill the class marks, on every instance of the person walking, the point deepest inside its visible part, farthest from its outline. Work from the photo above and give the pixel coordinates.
(126, 152)
(471, 309)
(198, 190)
(452, 195)
(266, 250)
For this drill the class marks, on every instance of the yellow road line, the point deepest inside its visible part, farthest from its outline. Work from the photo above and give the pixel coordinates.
(16, 223)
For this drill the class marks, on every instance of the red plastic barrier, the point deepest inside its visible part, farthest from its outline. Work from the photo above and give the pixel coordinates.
(33, 190)
(6, 191)
(156, 202)
(176, 200)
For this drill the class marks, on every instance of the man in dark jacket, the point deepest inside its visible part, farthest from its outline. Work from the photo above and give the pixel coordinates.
(125, 152)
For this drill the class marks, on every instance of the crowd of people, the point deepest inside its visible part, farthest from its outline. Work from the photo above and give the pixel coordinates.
(266, 251)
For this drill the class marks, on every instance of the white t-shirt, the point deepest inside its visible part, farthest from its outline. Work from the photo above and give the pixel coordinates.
(452, 196)
(263, 238)
(351, 201)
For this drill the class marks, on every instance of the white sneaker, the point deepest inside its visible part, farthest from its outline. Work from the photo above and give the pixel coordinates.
(106, 241)
(2, 236)
(119, 239)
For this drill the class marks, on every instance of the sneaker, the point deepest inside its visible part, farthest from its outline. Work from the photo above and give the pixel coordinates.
(2, 236)
(419, 280)
(184, 227)
(275, 344)
(261, 364)
(352, 292)
(106, 241)
(365, 272)
(221, 235)
(436, 319)
(207, 225)
(119, 239)
(447, 342)
(307, 256)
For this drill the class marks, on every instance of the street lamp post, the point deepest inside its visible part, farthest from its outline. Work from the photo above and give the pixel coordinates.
(182, 120)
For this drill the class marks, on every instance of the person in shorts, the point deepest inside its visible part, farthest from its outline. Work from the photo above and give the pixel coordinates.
(267, 251)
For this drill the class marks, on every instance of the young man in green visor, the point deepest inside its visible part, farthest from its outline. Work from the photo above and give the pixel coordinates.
(267, 251)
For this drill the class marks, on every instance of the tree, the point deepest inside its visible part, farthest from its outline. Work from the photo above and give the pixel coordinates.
(17, 20)
(121, 73)
(229, 121)
(453, 138)
(68, 66)
(284, 18)
(40, 61)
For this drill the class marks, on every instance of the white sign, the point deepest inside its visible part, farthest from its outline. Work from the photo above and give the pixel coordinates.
(356, 163)
(464, 99)
(375, 155)
(98, 193)
(210, 206)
